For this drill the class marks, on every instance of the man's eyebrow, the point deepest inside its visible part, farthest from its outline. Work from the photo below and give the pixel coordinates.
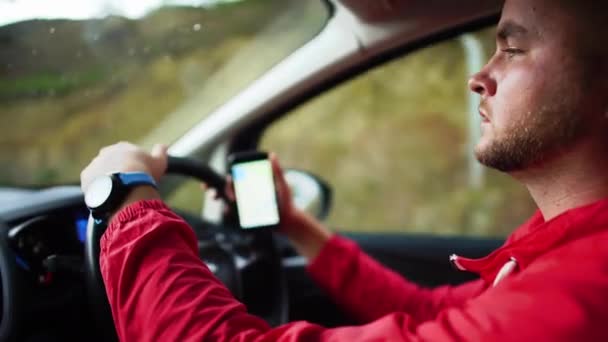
(510, 29)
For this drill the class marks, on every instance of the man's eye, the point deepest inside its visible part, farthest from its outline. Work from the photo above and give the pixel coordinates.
(511, 52)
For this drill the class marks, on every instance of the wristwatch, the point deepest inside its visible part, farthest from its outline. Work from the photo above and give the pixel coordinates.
(106, 193)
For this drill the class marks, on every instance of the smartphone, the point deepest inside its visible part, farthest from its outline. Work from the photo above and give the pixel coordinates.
(254, 189)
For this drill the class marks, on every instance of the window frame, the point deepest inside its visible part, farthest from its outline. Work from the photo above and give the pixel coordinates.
(248, 137)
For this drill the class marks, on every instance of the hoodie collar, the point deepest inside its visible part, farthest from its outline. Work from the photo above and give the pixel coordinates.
(534, 238)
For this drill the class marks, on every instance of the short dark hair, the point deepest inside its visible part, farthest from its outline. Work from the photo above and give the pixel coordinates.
(591, 16)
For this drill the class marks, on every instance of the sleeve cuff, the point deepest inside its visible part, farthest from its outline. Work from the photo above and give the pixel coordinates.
(128, 214)
(337, 253)
(134, 209)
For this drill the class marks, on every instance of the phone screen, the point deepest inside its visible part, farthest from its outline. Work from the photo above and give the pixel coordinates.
(255, 194)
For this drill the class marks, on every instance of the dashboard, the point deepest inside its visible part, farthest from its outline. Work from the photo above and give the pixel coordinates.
(43, 233)
(49, 244)
(43, 279)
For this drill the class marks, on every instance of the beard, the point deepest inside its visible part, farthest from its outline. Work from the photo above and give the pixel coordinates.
(536, 137)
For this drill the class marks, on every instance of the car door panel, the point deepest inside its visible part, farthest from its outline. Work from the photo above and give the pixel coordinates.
(421, 259)
(424, 259)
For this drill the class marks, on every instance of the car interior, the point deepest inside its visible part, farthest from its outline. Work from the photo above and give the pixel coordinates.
(49, 247)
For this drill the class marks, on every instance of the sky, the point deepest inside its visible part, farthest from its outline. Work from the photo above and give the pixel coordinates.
(18, 10)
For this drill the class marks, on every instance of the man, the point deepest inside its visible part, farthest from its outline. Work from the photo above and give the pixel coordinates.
(545, 123)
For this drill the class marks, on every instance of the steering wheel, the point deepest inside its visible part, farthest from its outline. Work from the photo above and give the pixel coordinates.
(13, 290)
(249, 264)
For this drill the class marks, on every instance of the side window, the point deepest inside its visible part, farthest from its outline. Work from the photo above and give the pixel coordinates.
(396, 146)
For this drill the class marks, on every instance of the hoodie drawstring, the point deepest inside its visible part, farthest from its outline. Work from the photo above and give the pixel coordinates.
(506, 269)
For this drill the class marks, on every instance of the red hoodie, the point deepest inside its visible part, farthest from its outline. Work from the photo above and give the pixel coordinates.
(549, 282)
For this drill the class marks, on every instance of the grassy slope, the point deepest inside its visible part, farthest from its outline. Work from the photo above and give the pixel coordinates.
(54, 122)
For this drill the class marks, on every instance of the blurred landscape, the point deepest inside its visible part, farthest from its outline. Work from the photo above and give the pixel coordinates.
(392, 143)
(69, 87)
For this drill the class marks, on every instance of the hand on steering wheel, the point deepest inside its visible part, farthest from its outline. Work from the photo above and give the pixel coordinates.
(125, 157)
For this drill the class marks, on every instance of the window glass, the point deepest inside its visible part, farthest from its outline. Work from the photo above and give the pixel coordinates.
(396, 146)
(78, 75)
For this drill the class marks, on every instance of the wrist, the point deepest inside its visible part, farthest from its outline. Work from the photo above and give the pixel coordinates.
(306, 234)
(296, 224)
(139, 193)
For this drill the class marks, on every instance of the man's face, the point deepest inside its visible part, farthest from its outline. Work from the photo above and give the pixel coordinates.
(535, 101)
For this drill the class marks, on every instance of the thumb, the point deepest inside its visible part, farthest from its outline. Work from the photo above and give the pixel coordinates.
(159, 151)
(160, 157)
(283, 187)
(229, 190)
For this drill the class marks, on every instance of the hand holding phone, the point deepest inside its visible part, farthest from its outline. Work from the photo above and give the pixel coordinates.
(254, 190)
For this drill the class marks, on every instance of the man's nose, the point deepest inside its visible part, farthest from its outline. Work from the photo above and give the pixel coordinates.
(482, 84)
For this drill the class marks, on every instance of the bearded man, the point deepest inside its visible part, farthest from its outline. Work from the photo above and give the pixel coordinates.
(544, 105)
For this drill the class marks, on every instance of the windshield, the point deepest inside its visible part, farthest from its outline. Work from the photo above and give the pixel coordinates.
(76, 75)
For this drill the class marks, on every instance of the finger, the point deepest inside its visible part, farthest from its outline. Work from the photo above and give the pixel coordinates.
(226, 210)
(229, 189)
(126, 146)
(276, 167)
(279, 177)
(159, 151)
(160, 157)
(106, 149)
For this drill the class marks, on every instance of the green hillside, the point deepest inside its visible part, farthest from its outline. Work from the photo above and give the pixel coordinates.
(68, 88)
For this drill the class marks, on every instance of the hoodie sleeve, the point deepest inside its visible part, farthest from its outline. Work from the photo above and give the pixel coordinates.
(367, 290)
(159, 290)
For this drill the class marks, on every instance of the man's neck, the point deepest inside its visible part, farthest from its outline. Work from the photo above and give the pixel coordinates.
(574, 179)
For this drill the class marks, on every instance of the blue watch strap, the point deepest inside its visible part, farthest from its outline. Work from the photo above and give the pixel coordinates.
(130, 179)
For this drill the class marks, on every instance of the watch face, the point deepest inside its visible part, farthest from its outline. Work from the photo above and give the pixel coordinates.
(98, 192)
